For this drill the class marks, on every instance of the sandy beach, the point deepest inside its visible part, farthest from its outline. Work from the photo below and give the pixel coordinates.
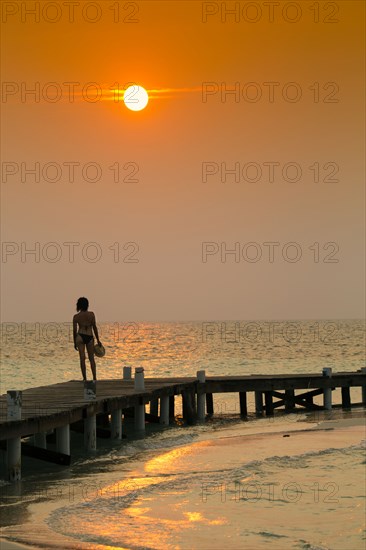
(222, 472)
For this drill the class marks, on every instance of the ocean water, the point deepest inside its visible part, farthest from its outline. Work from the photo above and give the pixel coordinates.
(293, 481)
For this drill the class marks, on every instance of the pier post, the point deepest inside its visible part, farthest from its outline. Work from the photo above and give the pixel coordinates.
(116, 424)
(243, 403)
(346, 397)
(209, 404)
(139, 385)
(40, 440)
(164, 410)
(189, 406)
(13, 445)
(127, 373)
(140, 416)
(171, 407)
(63, 439)
(90, 422)
(154, 407)
(90, 390)
(269, 403)
(139, 379)
(258, 403)
(289, 400)
(363, 369)
(201, 397)
(327, 391)
(90, 433)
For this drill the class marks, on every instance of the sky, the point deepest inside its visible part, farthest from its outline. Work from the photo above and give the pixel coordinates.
(237, 193)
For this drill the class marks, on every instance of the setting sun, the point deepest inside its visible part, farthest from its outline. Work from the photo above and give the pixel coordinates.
(135, 98)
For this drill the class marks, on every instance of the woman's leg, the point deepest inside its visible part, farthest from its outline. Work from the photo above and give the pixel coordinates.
(81, 348)
(90, 350)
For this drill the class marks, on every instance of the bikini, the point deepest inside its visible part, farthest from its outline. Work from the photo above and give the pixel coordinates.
(85, 337)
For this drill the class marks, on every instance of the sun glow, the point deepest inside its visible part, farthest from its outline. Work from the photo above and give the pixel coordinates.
(135, 98)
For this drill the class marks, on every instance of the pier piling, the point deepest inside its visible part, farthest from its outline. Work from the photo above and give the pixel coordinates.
(116, 424)
(90, 422)
(209, 404)
(243, 404)
(269, 403)
(164, 410)
(68, 405)
(171, 407)
(154, 407)
(189, 406)
(201, 397)
(363, 370)
(63, 439)
(40, 440)
(327, 372)
(139, 385)
(258, 403)
(289, 400)
(346, 398)
(13, 445)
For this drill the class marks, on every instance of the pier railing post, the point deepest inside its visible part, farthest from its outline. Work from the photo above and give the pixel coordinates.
(139, 385)
(90, 390)
(14, 445)
(201, 397)
(327, 391)
(127, 374)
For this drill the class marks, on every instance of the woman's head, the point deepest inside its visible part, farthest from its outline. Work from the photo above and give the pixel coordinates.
(82, 304)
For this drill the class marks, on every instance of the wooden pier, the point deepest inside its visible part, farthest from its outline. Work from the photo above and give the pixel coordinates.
(77, 406)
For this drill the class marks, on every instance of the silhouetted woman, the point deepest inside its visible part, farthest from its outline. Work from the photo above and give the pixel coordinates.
(83, 336)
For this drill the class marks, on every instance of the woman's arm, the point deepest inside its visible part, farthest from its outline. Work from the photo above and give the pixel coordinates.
(95, 329)
(75, 330)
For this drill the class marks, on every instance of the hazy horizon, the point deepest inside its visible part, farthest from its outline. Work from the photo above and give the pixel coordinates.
(238, 192)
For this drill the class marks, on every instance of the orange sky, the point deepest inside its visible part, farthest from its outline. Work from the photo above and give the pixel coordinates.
(169, 212)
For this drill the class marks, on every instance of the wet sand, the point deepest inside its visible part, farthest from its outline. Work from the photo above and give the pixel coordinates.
(249, 442)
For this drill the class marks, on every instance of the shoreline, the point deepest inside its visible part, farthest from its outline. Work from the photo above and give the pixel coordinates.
(37, 534)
